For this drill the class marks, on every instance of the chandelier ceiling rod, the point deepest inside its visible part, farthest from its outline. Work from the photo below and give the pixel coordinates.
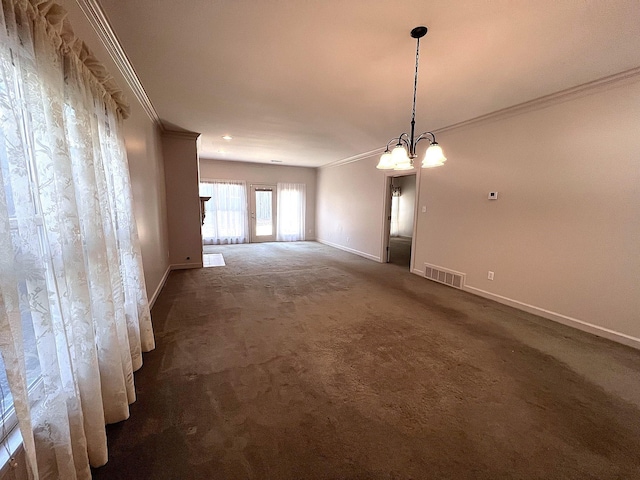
(416, 33)
(401, 158)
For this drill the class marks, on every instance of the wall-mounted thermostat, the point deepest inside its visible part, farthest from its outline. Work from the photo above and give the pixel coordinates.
(493, 195)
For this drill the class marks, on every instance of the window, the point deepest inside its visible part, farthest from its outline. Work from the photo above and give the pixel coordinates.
(291, 212)
(32, 362)
(226, 219)
(74, 316)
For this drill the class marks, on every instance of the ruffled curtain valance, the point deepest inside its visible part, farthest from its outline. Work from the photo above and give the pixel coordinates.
(61, 32)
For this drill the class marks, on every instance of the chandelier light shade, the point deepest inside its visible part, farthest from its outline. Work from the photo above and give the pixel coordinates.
(399, 155)
(386, 161)
(433, 156)
(404, 152)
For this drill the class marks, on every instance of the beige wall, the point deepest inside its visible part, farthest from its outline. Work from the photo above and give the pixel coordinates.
(350, 207)
(267, 174)
(145, 163)
(564, 236)
(146, 167)
(180, 152)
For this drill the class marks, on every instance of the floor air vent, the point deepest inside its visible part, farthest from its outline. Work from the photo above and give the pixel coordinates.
(442, 275)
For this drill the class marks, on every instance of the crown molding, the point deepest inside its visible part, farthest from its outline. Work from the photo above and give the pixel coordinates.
(548, 100)
(96, 16)
(609, 81)
(181, 134)
(355, 158)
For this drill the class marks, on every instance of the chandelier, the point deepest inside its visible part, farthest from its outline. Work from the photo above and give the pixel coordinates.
(402, 155)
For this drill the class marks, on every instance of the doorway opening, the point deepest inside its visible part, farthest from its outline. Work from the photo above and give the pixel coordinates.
(401, 215)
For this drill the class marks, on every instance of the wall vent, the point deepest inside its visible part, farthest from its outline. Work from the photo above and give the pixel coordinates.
(442, 275)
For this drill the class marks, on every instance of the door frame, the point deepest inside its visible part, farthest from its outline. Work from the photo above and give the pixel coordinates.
(252, 211)
(386, 229)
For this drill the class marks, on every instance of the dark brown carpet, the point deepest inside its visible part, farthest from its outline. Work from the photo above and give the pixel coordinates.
(299, 361)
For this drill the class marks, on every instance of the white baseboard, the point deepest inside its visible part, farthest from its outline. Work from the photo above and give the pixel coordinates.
(183, 266)
(159, 288)
(350, 250)
(558, 317)
(179, 266)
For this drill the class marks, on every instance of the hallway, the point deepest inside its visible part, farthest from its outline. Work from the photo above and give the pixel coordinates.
(400, 251)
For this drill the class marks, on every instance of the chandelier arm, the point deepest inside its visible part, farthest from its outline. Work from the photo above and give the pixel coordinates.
(403, 139)
(425, 136)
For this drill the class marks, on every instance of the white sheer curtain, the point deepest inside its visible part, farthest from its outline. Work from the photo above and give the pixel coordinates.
(226, 219)
(292, 201)
(395, 217)
(74, 316)
(394, 228)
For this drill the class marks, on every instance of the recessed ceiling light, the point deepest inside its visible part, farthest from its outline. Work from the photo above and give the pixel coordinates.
(227, 137)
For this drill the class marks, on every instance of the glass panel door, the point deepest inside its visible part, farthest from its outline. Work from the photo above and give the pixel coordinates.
(263, 213)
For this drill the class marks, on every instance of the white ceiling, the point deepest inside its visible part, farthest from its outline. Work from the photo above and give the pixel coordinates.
(309, 82)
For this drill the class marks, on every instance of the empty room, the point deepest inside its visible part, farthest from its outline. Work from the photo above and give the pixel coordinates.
(319, 240)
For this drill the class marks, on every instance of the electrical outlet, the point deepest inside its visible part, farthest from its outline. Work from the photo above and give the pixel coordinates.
(490, 275)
